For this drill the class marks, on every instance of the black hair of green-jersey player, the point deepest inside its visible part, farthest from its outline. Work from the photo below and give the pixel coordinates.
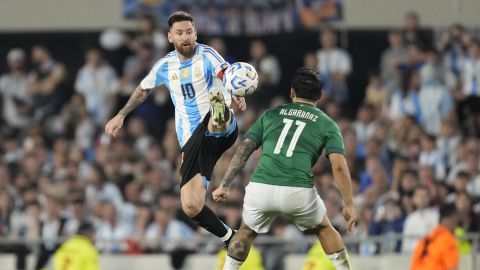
(307, 84)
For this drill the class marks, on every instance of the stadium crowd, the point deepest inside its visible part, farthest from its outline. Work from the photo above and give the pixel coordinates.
(412, 147)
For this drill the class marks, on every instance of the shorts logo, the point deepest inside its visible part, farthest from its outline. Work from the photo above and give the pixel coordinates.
(185, 73)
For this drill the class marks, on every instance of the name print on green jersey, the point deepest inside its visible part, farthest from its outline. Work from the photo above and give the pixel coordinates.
(299, 113)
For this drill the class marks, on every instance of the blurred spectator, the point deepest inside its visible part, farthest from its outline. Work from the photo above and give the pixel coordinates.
(219, 45)
(136, 68)
(310, 60)
(431, 157)
(269, 74)
(468, 163)
(431, 72)
(334, 65)
(469, 108)
(13, 89)
(99, 190)
(421, 221)
(394, 55)
(156, 181)
(388, 219)
(448, 141)
(365, 123)
(411, 28)
(96, 81)
(46, 83)
(438, 249)
(469, 219)
(77, 215)
(112, 232)
(266, 64)
(375, 93)
(85, 256)
(167, 234)
(25, 225)
(406, 101)
(138, 132)
(232, 214)
(435, 99)
(143, 218)
(453, 44)
(147, 35)
(52, 224)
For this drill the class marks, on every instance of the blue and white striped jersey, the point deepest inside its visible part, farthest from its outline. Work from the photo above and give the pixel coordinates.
(189, 83)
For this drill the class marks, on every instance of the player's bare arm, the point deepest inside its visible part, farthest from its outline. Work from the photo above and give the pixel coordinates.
(244, 151)
(341, 175)
(115, 124)
(138, 96)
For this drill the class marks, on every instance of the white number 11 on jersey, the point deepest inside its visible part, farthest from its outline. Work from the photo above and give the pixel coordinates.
(283, 135)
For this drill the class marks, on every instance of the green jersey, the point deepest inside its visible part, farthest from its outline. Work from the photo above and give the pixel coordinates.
(292, 137)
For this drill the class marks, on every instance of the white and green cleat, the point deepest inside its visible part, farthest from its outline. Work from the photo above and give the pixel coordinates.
(217, 108)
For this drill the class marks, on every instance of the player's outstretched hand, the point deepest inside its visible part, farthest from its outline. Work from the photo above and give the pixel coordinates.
(220, 194)
(114, 125)
(240, 102)
(350, 218)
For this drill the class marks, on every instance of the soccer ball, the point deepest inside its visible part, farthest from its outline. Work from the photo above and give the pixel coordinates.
(240, 79)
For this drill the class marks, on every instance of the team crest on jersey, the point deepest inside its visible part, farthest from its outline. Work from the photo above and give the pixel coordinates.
(174, 77)
(185, 73)
(197, 72)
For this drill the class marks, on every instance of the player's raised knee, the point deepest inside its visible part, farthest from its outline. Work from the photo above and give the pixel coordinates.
(191, 208)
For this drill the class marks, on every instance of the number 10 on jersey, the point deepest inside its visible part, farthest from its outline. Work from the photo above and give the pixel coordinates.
(188, 91)
(286, 128)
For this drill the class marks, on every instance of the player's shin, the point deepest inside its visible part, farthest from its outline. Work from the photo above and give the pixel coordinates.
(340, 260)
(210, 222)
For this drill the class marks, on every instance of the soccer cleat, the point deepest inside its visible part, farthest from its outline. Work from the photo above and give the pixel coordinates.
(217, 108)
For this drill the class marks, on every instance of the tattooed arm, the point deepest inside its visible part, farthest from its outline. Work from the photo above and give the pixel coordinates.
(246, 148)
(138, 96)
(115, 124)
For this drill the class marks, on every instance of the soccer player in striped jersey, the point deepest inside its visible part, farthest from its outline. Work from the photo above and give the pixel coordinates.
(205, 125)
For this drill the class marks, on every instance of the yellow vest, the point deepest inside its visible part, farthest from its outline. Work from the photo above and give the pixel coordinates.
(253, 262)
(317, 259)
(78, 253)
(463, 244)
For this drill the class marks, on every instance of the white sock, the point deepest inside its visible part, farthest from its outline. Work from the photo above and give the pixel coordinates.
(228, 235)
(232, 264)
(340, 260)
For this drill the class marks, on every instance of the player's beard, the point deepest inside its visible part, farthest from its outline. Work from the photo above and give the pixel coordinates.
(186, 51)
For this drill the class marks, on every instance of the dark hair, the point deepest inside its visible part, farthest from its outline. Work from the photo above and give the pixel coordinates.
(85, 228)
(463, 174)
(307, 83)
(447, 211)
(179, 16)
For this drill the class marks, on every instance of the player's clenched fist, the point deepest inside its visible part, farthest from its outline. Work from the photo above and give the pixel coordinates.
(220, 194)
(114, 125)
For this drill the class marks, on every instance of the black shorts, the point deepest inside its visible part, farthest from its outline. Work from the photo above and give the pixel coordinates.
(202, 151)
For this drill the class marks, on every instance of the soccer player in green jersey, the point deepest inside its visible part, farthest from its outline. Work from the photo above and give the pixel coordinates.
(292, 136)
